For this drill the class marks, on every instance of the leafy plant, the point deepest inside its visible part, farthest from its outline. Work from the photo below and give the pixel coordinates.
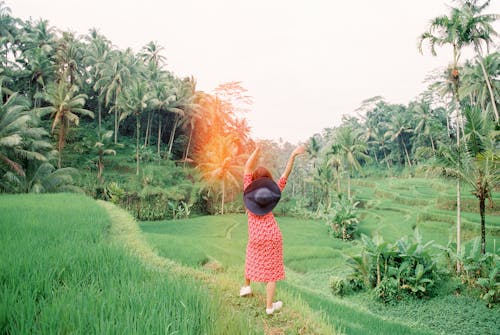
(394, 270)
(342, 218)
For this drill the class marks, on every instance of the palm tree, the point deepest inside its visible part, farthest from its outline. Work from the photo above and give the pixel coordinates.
(221, 165)
(96, 57)
(103, 148)
(40, 70)
(349, 144)
(8, 31)
(379, 138)
(480, 31)
(151, 53)
(183, 106)
(162, 96)
(423, 115)
(69, 59)
(458, 30)
(45, 178)
(65, 106)
(476, 86)
(475, 162)
(114, 77)
(135, 101)
(23, 144)
(13, 119)
(398, 129)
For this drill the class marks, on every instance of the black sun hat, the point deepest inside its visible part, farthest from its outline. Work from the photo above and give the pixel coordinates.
(261, 196)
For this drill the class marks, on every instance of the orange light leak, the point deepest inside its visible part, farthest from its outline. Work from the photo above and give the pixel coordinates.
(218, 145)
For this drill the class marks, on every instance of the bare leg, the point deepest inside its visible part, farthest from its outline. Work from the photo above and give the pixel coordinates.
(247, 282)
(270, 289)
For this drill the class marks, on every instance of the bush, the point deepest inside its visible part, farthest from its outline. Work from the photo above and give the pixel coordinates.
(342, 286)
(406, 267)
(342, 218)
(479, 272)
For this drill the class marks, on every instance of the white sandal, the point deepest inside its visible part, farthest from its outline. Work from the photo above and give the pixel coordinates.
(245, 290)
(276, 307)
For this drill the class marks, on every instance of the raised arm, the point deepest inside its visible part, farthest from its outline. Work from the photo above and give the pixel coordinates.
(289, 165)
(252, 160)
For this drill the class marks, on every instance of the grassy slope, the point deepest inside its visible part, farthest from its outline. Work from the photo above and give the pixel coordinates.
(62, 272)
(392, 208)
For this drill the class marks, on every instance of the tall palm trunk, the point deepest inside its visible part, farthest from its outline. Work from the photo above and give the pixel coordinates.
(386, 160)
(172, 135)
(116, 126)
(60, 141)
(159, 134)
(459, 193)
(406, 152)
(488, 84)
(148, 130)
(99, 118)
(349, 184)
(137, 127)
(223, 194)
(482, 212)
(189, 144)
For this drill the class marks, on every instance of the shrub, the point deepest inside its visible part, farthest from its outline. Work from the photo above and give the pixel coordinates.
(479, 272)
(406, 267)
(341, 218)
(342, 286)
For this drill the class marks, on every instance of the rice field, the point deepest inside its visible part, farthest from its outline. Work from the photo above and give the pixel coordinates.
(60, 273)
(391, 208)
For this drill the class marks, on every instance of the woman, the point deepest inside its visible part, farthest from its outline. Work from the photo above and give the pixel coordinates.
(264, 254)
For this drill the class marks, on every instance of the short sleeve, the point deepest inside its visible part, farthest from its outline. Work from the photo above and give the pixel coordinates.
(282, 183)
(247, 180)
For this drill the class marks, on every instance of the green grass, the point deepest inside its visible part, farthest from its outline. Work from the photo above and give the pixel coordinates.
(61, 274)
(392, 208)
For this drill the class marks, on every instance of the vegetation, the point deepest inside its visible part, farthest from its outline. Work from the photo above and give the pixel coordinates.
(82, 282)
(316, 264)
(77, 114)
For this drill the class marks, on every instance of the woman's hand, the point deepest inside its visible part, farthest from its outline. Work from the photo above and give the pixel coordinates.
(299, 150)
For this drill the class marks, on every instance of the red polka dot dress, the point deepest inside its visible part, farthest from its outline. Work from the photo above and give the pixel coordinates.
(264, 257)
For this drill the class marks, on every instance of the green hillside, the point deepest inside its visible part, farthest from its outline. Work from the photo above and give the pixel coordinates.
(392, 208)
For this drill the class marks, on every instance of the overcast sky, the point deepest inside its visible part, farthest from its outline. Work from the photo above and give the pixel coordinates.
(305, 63)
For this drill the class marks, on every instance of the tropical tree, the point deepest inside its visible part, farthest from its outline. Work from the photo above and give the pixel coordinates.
(103, 148)
(183, 106)
(65, 106)
(41, 71)
(69, 59)
(151, 53)
(135, 101)
(114, 77)
(476, 86)
(350, 145)
(13, 119)
(221, 165)
(458, 30)
(163, 95)
(24, 145)
(380, 140)
(398, 129)
(95, 58)
(479, 29)
(8, 31)
(475, 162)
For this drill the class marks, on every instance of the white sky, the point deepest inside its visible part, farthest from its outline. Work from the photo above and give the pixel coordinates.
(305, 63)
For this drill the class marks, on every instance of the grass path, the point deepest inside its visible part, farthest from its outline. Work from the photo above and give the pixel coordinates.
(295, 318)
